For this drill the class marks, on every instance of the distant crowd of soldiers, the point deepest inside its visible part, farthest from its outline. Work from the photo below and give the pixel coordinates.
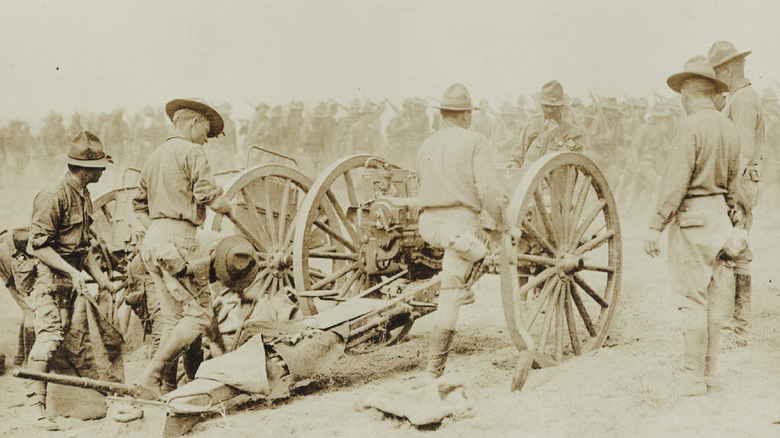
(620, 134)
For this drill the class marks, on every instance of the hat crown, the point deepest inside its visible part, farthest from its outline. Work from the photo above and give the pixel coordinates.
(199, 105)
(85, 146)
(722, 52)
(553, 90)
(456, 97)
(699, 65)
(696, 67)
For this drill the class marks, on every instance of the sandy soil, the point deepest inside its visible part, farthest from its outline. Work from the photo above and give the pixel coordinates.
(626, 388)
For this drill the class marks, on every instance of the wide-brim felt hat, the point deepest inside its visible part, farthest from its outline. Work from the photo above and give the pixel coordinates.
(551, 95)
(86, 150)
(696, 67)
(456, 98)
(722, 52)
(235, 262)
(199, 105)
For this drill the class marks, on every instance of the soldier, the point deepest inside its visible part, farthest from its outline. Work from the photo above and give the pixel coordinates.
(222, 150)
(271, 131)
(254, 131)
(59, 239)
(365, 136)
(696, 193)
(319, 135)
(17, 273)
(744, 109)
(293, 130)
(482, 122)
(772, 138)
(176, 187)
(457, 182)
(548, 134)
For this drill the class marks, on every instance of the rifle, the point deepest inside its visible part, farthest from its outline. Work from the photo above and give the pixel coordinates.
(83, 382)
(338, 104)
(395, 108)
(600, 111)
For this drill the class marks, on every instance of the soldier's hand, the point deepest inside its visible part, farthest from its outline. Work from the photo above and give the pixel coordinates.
(222, 206)
(79, 280)
(652, 239)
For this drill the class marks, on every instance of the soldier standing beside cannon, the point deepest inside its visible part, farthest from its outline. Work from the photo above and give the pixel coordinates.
(696, 193)
(176, 186)
(60, 240)
(457, 182)
(744, 109)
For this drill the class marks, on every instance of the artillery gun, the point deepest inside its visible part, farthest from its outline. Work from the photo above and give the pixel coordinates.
(346, 247)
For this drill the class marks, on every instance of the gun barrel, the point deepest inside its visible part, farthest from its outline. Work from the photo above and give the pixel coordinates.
(80, 382)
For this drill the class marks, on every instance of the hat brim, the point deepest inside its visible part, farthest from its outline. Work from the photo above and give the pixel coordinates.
(543, 100)
(103, 163)
(221, 253)
(732, 57)
(215, 119)
(675, 81)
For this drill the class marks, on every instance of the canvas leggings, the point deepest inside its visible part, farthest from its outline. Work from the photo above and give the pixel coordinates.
(455, 230)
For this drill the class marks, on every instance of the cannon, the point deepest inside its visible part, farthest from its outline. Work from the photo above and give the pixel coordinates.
(346, 247)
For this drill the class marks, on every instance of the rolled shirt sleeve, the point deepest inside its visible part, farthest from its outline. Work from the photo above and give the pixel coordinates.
(204, 187)
(45, 220)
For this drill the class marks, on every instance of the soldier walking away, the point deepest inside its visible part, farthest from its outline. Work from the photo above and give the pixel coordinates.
(743, 107)
(457, 182)
(176, 187)
(59, 239)
(551, 133)
(698, 189)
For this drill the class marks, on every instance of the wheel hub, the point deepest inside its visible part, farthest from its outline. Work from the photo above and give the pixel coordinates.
(568, 264)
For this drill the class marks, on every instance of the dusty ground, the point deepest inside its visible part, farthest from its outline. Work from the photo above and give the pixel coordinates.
(626, 388)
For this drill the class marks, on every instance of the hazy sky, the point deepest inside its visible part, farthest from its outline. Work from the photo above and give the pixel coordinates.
(95, 56)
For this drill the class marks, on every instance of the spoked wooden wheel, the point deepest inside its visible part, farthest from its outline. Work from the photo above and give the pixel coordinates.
(115, 223)
(328, 262)
(267, 200)
(564, 280)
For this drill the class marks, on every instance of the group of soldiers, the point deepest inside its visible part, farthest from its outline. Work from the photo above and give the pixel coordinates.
(712, 180)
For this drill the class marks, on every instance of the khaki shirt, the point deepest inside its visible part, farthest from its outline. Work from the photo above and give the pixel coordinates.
(176, 183)
(704, 161)
(456, 169)
(61, 218)
(744, 109)
(536, 141)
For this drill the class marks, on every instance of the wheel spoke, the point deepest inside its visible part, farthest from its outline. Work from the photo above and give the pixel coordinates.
(582, 196)
(572, 324)
(256, 241)
(335, 235)
(542, 210)
(594, 243)
(537, 260)
(283, 211)
(549, 310)
(334, 276)
(252, 209)
(107, 213)
(539, 238)
(343, 217)
(597, 267)
(559, 325)
(575, 296)
(544, 294)
(350, 190)
(571, 182)
(269, 214)
(536, 281)
(589, 218)
(589, 290)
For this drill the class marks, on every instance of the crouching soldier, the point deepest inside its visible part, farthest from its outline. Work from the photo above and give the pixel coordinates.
(697, 190)
(457, 182)
(60, 240)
